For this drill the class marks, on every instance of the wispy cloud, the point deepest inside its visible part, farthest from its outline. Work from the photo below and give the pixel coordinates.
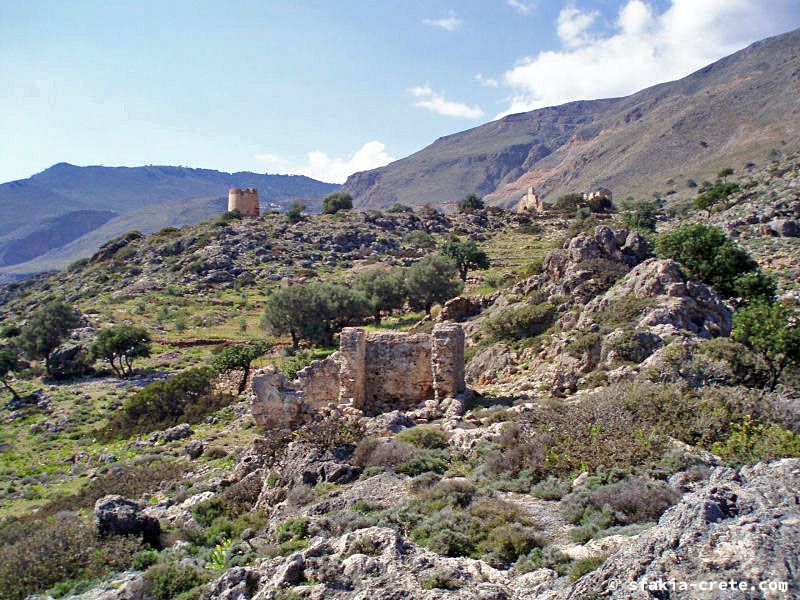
(486, 81)
(436, 102)
(523, 8)
(449, 22)
(324, 167)
(642, 48)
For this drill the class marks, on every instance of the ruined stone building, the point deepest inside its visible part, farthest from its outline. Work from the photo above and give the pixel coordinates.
(245, 201)
(531, 202)
(373, 372)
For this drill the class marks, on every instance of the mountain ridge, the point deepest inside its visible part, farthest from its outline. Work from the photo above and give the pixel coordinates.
(738, 108)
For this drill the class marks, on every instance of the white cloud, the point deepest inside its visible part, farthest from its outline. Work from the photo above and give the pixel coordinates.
(436, 102)
(523, 8)
(573, 26)
(643, 47)
(449, 22)
(323, 167)
(327, 168)
(487, 81)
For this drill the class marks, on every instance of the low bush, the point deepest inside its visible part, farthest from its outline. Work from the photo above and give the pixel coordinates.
(751, 442)
(39, 553)
(185, 398)
(551, 488)
(519, 321)
(167, 581)
(424, 436)
(543, 558)
(424, 460)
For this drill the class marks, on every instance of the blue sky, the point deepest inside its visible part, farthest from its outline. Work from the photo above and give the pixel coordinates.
(326, 88)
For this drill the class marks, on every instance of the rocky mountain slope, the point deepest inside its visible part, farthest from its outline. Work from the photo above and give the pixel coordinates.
(615, 436)
(143, 198)
(736, 110)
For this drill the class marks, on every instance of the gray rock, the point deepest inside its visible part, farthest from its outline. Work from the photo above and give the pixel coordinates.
(116, 515)
(741, 526)
(68, 361)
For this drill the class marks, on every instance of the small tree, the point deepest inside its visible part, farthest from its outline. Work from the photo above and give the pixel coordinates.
(47, 329)
(466, 255)
(569, 202)
(726, 172)
(400, 208)
(336, 202)
(384, 290)
(708, 255)
(313, 311)
(469, 203)
(771, 330)
(295, 212)
(640, 216)
(431, 280)
(120, 345)
(10, 362)
(238, 357)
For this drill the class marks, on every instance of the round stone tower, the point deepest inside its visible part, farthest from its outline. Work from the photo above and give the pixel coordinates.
(245, 201)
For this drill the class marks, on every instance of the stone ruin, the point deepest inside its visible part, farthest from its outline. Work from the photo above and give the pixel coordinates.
(531, 202)
(372, 372)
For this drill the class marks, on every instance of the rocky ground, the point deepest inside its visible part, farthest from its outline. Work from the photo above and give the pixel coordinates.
(616, 439)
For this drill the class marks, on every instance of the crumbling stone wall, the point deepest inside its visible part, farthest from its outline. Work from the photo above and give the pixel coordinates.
(372, 372)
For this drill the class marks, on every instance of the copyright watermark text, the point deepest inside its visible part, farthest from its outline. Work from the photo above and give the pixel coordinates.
(677, 585)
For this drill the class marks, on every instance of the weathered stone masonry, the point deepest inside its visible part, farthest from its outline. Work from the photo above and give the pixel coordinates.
(371, 372)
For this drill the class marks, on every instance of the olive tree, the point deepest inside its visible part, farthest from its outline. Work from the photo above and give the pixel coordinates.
(47, 328)
(466, 255)
(384, 290)
(120, 346)
(433, 279)
(10, 362)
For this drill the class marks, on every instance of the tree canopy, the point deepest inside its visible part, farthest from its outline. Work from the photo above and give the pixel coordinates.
(433, 279)
(708, 255)
(470, 202)
(771, 330)
(120, 345)
(47, 329)
(336, 202)
(238, 357)
(466, 255)
(314, 311)
(384, 290)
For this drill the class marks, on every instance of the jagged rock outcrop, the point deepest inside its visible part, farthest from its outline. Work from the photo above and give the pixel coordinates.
(741, 526)
(677, 304)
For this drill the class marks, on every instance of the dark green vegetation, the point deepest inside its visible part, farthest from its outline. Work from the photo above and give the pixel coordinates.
(46, 330)
(120, 345)
(336, 202)
(710, 256)
(466, 255)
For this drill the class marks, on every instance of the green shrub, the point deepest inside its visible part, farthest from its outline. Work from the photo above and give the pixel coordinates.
(623, 310)
(423, 460)
(543, 558)
(582, 566)
(206, 512)
(144, 559)
(551, 488)
(336, 202)
(439, 580)
(751, 442)
(506, 543)
(707, 254)
(166, 581)
(186, 397)
(519, 322)
(419, 239)
(424, 436)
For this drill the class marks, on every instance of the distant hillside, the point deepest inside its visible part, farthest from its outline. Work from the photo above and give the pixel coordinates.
(67, 211)
(741, 108)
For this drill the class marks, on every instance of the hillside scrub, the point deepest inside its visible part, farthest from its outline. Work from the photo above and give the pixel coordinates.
(708, 255)
(120, 345)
